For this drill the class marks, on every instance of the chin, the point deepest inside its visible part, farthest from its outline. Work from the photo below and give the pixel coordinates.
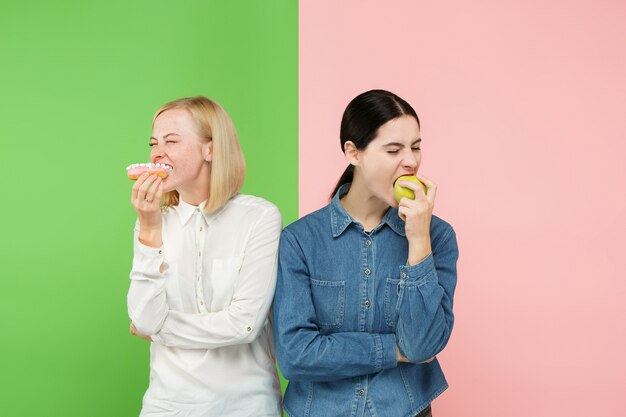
(169, 184)
(167, 188)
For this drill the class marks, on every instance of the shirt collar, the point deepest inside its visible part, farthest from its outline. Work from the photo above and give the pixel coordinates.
(340, 219)
(185, 211)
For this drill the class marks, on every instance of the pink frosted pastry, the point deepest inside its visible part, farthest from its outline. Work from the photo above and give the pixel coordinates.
(135, 170)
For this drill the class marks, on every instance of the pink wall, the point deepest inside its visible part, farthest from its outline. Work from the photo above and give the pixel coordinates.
(522, 107)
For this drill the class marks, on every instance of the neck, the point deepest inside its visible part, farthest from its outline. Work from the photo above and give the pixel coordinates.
(198, 191)
(363, 207)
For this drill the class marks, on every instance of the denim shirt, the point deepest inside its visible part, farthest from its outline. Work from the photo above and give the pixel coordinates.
(345, 299)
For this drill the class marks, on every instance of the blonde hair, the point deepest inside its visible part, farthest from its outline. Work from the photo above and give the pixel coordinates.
(228, 168)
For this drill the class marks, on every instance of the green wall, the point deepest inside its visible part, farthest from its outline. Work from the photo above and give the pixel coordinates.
(79, 83)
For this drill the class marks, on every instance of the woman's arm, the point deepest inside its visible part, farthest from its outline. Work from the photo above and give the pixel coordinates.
(147, 303)
(244, 318)
(426, 291)
(304, 353)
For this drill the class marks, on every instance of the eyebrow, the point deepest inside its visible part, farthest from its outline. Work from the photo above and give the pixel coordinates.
(415, 142)
(164, 137)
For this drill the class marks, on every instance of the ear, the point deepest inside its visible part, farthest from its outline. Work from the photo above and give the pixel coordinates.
(352, 153)
(207, 151)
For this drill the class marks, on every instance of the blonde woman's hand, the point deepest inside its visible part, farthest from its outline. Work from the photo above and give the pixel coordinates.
(146, 199)
(134, 332)
(417, 214)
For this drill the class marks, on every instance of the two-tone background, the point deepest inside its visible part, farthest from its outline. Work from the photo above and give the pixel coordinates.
(522, 109)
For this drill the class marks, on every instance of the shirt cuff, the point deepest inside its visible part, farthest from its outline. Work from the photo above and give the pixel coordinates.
(156, 338)
(384, 355)
(414, 274)
(148, 260)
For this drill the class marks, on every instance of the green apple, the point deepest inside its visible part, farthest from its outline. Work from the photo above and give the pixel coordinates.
(400, 192)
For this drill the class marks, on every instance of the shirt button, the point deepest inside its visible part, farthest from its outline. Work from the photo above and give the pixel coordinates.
(198, 210)
(200, 228)
(249, 329)
(367, 304)
(360, 392)
(368, 242)
(199, 253)
(403, 275)
(201, 302)
(367, 271)
(160, 252)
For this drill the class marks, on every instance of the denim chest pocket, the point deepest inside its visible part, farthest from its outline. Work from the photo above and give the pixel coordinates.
(392, 295)
(329, 298)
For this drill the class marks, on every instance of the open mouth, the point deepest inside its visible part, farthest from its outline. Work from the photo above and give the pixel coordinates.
(407, 174)
(160, 165)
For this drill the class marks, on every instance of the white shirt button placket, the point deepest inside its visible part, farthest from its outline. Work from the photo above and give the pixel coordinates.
(198, 231)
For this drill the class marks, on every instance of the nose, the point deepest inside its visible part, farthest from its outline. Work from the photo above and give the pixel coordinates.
(409, 160)
(156, 154)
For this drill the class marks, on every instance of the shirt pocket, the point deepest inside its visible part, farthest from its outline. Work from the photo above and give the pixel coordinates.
(224, 276)
(392, 294)
(329, 298)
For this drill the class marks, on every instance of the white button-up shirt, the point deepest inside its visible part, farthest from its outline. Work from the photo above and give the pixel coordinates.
(203, 298)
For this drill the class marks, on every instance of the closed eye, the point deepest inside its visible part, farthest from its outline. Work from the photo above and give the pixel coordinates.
(167, 141)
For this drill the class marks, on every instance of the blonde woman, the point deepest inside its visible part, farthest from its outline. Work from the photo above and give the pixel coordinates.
(204, 271)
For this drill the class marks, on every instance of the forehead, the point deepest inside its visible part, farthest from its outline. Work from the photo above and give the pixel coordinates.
(401, 129)
(174, 121)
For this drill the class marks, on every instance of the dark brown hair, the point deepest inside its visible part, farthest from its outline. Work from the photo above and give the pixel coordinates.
(362, 118)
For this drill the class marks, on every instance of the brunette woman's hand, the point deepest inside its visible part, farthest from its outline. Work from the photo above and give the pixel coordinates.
(134, 332)
(146, 199)
(417, 214)
(400, 357)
